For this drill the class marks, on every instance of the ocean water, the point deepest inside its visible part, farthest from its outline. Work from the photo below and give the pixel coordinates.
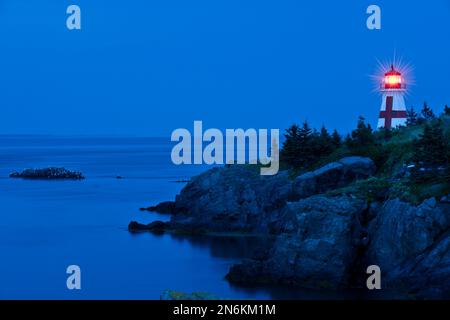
(46, 226)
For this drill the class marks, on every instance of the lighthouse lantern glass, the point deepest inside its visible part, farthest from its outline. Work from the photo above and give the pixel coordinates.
(393, 79)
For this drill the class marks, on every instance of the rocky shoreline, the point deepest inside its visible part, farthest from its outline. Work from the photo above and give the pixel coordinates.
(327, 233)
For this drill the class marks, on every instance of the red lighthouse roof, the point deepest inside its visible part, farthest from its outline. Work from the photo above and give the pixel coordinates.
(392, 79)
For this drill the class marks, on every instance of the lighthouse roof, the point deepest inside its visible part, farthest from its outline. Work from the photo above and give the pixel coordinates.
(392, 72)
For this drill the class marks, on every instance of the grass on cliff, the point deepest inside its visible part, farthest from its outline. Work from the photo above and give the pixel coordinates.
(376, 189)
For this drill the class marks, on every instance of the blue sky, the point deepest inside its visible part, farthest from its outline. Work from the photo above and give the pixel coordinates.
(145, 68)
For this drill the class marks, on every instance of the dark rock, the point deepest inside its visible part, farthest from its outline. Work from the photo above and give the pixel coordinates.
(315, 248)
(401, 231)
(332, 176)
(445, 199)
(238, 199)
(235, 198)
(426, 276)
(324, 243)
(163, 207)
(411, 245)
(250, 272)
(155, 227)
(48, 174)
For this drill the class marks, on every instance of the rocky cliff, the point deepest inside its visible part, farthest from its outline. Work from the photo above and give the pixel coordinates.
(324, 239)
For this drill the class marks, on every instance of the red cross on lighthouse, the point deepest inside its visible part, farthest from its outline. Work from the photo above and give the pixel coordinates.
(390, 114)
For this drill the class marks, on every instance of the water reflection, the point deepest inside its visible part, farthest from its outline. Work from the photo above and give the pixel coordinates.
(237, 248)
(228, 247)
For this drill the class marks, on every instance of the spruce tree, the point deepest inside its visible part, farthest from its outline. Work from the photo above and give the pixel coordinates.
(322, 143)
(305, 146)
(289, 150)
(336, 139)
(430, 151)
(305, 132)
(385, 133)
(348, 140)
(427, 113)
(362, 136)
(447, 110)
(411, 117)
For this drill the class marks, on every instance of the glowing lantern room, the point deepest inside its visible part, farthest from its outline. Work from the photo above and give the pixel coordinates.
(393, 79)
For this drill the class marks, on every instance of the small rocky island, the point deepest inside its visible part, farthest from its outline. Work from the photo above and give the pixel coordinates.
(51, 173)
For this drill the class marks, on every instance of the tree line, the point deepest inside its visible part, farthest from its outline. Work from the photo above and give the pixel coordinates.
(304, 146)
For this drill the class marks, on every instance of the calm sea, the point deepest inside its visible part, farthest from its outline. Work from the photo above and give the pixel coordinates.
(46, 226)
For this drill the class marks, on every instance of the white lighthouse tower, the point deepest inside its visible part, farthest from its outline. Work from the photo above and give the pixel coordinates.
(393, 109)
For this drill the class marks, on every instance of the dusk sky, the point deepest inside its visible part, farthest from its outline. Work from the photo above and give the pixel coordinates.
(145, 68)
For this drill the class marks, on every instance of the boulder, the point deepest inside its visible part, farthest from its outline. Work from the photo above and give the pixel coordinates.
(233, 198)
(332, 176)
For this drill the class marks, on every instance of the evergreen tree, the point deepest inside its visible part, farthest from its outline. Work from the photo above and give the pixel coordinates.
(430, 152)
(323, 144)
(305, 146)
(362, 136)
(385, 133)
(305, 131)
(315, 135)
(447, 110)
(411, 117)
(427, 113)
(289, 150)
(336, 139)
(348, 140)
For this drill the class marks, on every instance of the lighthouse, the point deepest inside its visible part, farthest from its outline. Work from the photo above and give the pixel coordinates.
(393, 109)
